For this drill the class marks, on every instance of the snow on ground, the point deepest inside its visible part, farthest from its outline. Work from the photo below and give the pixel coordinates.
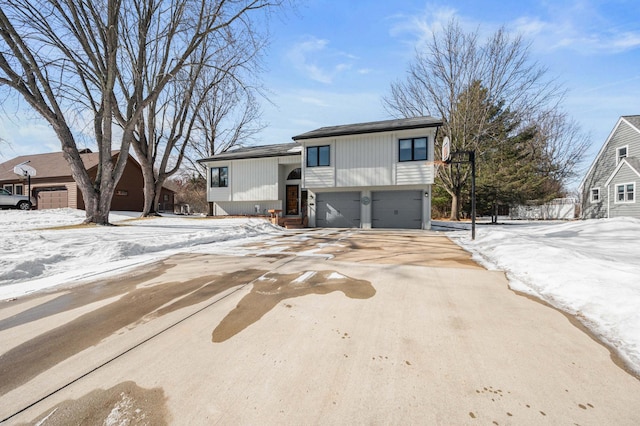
(34, 257)
(590, 269)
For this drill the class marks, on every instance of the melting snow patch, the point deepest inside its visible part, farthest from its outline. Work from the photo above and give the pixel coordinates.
(119, 413)
(335, 276)
(304, 277)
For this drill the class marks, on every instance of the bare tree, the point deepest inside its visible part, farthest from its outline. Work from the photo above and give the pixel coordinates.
(230, 117)
(172, 125)
(113, 58)
(441, 81)
(54, 53)
(562, 143)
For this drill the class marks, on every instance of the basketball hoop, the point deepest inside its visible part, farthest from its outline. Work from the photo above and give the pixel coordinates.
(446, 150)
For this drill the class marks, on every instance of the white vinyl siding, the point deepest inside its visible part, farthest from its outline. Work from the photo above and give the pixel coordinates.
(254, 179)
(370, 160)
(319, 177)
(364, 161)
(414, 173)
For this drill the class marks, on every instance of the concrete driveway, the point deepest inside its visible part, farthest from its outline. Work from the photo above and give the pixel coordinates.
(316, 327)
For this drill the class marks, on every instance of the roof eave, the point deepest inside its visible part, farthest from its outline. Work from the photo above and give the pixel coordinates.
(328, 134)
(246, 157)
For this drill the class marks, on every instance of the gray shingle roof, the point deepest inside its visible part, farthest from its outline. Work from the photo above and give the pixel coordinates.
(276, 150)
(372, 127)
(633, 119)
(634, 162)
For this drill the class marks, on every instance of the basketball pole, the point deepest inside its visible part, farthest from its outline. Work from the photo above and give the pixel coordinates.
(447, 159)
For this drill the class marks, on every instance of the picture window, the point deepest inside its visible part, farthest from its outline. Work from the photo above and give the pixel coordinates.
(318, 156)
(219, 177)
(414, 149)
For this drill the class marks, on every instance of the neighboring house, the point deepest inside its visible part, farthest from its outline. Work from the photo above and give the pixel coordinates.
(53, 186)
(609, 187)
(367, 175)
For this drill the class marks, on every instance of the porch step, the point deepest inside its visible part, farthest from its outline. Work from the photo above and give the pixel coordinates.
(293, 223)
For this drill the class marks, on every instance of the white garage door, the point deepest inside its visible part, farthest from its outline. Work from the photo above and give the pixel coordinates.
(338, 210)
(396, 209)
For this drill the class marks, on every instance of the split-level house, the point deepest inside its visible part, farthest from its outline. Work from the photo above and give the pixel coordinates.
(609, 187)
(366, 175)
(53, 186)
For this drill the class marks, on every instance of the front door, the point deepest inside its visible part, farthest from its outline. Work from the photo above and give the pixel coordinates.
(292, 200)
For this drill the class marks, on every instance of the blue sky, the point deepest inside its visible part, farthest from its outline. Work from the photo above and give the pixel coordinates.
(331, 61)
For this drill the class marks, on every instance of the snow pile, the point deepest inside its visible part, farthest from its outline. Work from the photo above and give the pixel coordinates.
(34, 257)
(590, 269)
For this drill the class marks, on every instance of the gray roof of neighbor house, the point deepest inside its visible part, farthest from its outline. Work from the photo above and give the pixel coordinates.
(634, 162)
(49, 165)
(372, 127)
(276, 150)
(633, 119)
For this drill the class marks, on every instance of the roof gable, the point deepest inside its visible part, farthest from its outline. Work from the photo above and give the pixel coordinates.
(632, 162)
(371, 127)
(633, 121)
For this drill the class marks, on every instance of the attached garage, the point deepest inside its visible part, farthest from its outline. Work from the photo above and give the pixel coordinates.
(53, 198)
(338, 210)
(396, 209)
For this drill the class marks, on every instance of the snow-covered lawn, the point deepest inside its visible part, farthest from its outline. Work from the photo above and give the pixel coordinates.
(35, 258)
(590, 269)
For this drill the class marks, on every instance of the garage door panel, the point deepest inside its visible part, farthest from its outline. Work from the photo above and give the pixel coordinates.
(53, 199)
(397, 209)
(338, 210)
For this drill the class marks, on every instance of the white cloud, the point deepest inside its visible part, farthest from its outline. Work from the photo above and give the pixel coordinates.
(318, 62)
(571, 25)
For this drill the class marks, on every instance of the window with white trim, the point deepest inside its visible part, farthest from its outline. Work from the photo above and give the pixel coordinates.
(625, 193)
(621, 153)
(219, 177)
(19, 189)
(595, 195)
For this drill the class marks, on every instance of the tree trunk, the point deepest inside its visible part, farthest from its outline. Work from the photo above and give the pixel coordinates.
(97, 202)
(149, 208)
(455, 209)
(494, 217)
